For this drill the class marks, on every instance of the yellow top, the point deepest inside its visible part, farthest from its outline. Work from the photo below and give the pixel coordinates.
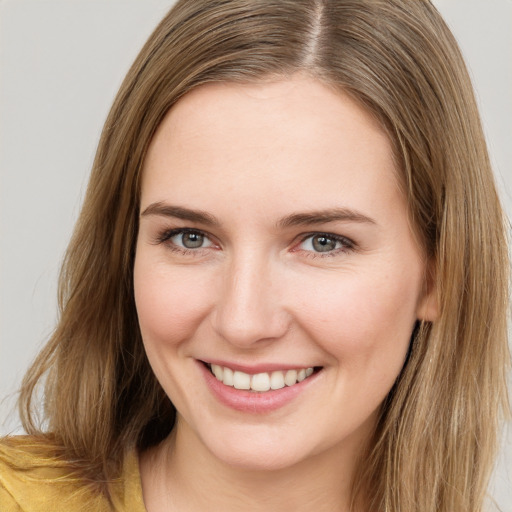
(31, 482)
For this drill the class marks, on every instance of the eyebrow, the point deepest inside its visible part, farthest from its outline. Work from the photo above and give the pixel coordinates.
(324, 216)
(295, 219)
(178, 212)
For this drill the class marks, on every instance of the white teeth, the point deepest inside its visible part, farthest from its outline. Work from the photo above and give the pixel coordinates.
(260, 382)
(290, 378)
(241, 380)
(277, 380)
(228, 377)
(218, 371)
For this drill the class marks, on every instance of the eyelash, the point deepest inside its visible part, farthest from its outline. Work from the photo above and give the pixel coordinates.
(347, 244)
(165, 237)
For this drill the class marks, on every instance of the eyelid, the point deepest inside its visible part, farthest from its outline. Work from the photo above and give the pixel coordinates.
(348, 244)
(165, 235)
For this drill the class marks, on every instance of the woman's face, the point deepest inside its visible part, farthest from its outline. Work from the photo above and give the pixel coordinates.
(274, 242)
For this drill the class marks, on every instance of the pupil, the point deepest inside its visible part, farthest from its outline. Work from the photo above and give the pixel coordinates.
(323, 244)
(192, 240)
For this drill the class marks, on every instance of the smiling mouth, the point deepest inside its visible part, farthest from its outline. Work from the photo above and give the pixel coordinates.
(260, 382)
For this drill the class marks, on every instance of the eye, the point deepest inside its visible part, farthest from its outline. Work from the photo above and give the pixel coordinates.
(184, 240)
(189, 239)
(325, 243)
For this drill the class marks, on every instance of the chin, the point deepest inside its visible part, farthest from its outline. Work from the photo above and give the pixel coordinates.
(250, 453)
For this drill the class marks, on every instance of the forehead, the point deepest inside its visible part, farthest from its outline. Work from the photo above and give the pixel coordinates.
(315, 107)
(297, 136)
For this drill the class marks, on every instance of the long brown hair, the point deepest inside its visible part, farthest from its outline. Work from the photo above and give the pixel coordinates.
(437, 435)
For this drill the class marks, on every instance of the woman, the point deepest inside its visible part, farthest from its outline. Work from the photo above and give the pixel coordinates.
(288, 284)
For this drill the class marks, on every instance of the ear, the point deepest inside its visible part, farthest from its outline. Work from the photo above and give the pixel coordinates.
(428, 303)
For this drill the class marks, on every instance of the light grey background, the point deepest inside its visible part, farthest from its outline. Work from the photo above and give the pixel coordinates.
(61, 62)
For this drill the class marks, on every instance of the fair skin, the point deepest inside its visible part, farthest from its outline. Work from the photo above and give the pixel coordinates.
(273, 237)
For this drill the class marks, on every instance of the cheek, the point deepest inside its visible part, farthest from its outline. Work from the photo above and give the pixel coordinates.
(364, 323)
(170, 304)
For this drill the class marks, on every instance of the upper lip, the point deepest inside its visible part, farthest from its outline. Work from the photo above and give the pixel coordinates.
(253, 369)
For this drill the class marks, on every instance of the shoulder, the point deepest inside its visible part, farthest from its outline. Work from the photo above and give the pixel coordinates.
(34, 479)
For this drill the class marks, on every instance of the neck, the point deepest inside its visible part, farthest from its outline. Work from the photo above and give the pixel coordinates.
(182, 474)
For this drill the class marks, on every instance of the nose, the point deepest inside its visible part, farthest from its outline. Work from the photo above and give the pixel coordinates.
(250, 310)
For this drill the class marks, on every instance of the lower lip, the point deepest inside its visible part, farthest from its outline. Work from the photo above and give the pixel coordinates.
(250, 401)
